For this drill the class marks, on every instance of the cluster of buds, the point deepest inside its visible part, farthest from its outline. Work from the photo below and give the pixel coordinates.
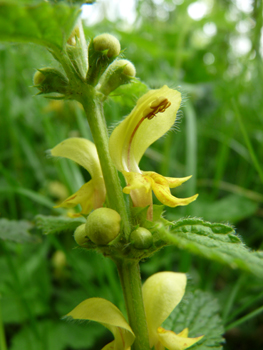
(98, 64)
(103, 226)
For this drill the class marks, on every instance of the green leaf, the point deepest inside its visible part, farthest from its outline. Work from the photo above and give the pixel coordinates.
(57, 224)
(57, 336)
(127, 94)
(43, 24)
(198, 311)
(139, 216)
(16, 231)
(232, 208)
(217, 242)
(74, 1)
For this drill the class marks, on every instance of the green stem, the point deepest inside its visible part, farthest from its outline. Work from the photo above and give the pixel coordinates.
(94, 112)
(129, 272)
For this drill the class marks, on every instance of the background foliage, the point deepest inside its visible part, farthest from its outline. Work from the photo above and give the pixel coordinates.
(217, 62)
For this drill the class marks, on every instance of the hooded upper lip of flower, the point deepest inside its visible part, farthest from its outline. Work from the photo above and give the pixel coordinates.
(104, 312)
(92, 194)
(153, 115)
(162, 292)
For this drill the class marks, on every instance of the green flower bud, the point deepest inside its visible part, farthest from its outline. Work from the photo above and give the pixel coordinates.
(80, 235)
(50, 80)
(108, 42)
(77, 50)
(141, 238)
(103, 225)
(118, 73)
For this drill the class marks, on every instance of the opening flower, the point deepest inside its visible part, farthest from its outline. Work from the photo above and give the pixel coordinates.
(107, 314)
(92, 194)
(162, 292)
(153, 115)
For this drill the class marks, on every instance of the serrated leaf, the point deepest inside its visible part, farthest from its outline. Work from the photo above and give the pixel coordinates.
(43, 24)
(17, 231)
(198, 311)
(217, 242)
(57, 224)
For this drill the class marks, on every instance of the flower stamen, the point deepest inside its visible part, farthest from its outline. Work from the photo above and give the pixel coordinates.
(161, 107)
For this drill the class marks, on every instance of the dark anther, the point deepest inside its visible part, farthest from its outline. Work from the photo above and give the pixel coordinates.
(160, 108)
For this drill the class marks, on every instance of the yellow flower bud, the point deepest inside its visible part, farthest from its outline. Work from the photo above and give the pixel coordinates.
(126, 67)
(141, 238)
(129, 68)
(49, 80)
(118, 73)
(80, 235)
(38, 78)
(107, 42)
(59, 260)
(103, 225)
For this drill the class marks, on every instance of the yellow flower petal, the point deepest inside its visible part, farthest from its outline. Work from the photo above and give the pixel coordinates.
(177, 181)
(104, 312)
(161, 293)
(153, 115)
(90, 196)
(172, 182)
(140, 190)
(139, 186)
(83, 196)
(81, 151)
(173, 341)
(184, 333)
(136, 181)
(164, 195)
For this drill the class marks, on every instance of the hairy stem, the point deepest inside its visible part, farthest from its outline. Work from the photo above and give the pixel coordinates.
(94, 112)
(129, 272)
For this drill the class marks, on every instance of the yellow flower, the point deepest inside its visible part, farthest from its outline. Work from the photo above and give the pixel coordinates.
(162, 292)
(104, 312)
(153, 115)
(92, 194)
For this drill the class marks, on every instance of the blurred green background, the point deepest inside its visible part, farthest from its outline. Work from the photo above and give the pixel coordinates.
(212, 52)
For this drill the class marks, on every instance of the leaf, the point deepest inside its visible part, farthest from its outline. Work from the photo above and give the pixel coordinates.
(76, 1)
(43, 24)
(217, 242)
(139, 216)
(127, 95)
(56, 336)
(232, 208)
(57, 224)
(198, 311)
(17, 231)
